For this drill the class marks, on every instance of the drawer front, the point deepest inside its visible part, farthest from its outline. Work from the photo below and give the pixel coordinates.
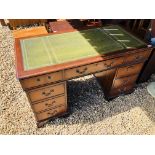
(51, 103)
(46, 92)
(41, 80)
(57, 110)
(128, 70)
(121, 82)
(139, 56)
(122, 90)
(92, 68)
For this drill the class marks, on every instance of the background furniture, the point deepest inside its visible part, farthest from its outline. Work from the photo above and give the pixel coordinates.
(72, 24)
(34, 31)
(139, 27)
(149, 66)
(61, 26)
(14, 23)
(45, 64)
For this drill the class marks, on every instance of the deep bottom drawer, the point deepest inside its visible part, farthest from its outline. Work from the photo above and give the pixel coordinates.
(49, 104)
(55, 111)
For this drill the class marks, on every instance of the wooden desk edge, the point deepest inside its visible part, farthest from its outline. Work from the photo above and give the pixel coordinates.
(21, 73)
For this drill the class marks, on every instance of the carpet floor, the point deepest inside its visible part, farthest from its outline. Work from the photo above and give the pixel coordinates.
(90, 113)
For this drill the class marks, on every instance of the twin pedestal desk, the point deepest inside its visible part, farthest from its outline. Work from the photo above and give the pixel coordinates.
(45, 63)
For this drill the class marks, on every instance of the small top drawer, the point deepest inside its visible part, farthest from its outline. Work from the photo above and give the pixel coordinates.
(92, 68)
(138, 56)
(128, 70)
(41, 80)
(59, 110)
(46, 92)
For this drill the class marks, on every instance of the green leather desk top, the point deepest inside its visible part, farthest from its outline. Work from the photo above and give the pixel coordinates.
(60, 48)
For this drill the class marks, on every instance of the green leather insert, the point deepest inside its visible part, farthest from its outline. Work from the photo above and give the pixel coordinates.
(60, 48)
(125, 38)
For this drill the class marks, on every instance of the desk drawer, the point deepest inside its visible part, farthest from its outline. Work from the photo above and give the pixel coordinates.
(121, 82)
(92, 68)
(136, 57)
(128, 70)
(51, 103)
(46, 92)
(57, 110)
(41, 80)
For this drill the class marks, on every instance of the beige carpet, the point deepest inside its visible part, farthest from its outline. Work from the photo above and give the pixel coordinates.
(90, 112)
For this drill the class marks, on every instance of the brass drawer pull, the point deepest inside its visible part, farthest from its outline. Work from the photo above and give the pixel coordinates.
(109, 65)
(130, 67)
(49, 77)
(81, 72)
(49, 105)
(38, 79)
(96, 64)
(49, 93)
(138, 57)
(52, 113)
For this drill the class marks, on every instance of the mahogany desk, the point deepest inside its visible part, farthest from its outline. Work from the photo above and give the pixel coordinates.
(45, 63)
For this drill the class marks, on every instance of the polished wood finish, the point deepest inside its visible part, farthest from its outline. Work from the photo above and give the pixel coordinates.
(121, 82)
(29, 32)
(59, 109)
(92, 68)
(138, 56)
(48, 104)
(42, 80)
(21, 73)
(105, 79)
(71, 25)
(60, 26)
(46, 92)
(128, 70)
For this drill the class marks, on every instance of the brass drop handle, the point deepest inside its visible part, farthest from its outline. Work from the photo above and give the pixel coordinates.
(81, 72)
(109, 65)
(138, 57)
(48, 93)
(52, 113)
(50, 104)
(49, 77)
(129, 67)
(38, 79)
